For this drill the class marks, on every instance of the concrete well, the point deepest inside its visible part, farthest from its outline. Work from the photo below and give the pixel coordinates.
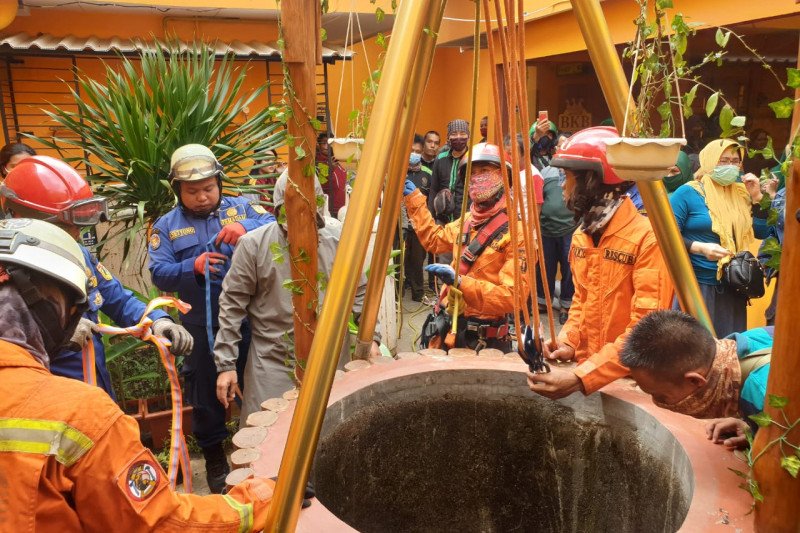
(461, 444)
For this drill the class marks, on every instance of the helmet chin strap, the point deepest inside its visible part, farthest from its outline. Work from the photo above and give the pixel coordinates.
(45, 312)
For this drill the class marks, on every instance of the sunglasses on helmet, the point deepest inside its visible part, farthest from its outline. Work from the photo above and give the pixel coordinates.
(205, 167)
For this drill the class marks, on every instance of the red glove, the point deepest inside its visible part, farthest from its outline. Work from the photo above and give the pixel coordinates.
(230, 233)
(214, 258)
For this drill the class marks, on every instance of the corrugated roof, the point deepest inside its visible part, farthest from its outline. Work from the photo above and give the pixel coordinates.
(46, 42)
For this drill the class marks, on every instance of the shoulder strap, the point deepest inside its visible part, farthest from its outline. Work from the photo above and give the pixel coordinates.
(490, 231)
(755, 360)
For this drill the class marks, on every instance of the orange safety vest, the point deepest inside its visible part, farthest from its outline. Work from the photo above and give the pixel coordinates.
(71, 461)
(617, 282)
(488, 288)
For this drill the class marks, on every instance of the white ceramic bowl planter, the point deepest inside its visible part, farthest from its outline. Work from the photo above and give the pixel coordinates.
(347, 150)
(643, 159)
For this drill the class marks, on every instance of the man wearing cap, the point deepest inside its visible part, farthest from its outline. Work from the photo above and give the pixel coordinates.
(70, 460)
(196, 237)
(486, 266)
(254, 289)
(617, 268)
(45, 188)
(447, 188)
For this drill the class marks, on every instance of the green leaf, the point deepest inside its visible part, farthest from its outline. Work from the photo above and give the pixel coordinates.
(323, 34)
(791, 464)
(303, 257)
(664, 4)
(762, 419)
(783, 108)
(711, 104)
(778, 402)
(277, 250)
(379, 14)
(293, 287)
(772, 216)
(739, 473)
(738, 121)
(300, 152)
(722, 37)
(725, 119)
(793, 78)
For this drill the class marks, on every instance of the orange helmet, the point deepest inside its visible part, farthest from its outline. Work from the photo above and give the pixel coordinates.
(586, 150)
(52, 187)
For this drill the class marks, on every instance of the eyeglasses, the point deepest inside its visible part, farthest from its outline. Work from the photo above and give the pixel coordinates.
(730, 161)
(202, 166)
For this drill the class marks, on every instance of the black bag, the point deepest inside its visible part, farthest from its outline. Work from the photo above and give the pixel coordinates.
(745, 275)
(434, 330)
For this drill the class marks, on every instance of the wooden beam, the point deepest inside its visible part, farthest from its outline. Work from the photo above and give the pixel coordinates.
(302, 52)
(780, 510)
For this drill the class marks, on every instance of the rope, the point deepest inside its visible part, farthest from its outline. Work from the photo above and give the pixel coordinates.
(179, 452)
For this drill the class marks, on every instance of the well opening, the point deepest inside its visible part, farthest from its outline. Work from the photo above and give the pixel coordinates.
(473, 450)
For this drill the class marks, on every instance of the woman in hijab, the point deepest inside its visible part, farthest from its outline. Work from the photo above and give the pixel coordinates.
(719, 215)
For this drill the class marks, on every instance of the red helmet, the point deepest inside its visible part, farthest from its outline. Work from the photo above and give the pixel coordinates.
(586, 150)
(52, 187)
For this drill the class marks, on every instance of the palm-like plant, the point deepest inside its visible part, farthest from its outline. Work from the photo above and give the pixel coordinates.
(130, 122)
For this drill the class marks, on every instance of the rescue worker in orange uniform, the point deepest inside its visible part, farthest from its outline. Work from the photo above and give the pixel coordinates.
(486, 266)
(616, 264)
(70, 460)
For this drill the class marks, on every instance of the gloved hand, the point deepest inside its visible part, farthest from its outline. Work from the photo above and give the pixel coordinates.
(182, 341)
(230, 234)
(83, 334)
(409, 187)
(214, 258)
(444, 272)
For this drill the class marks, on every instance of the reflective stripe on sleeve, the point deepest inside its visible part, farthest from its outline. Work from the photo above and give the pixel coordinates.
(44, 437)
(245, 513)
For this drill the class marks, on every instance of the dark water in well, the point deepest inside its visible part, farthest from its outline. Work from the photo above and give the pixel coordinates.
(465, 464)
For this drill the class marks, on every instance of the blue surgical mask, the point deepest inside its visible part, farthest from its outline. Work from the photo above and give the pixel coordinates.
(726, 174)
(414, 159)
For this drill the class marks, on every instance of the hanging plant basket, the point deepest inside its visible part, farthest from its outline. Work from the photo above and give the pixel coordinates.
(347, 150)
(643, 159)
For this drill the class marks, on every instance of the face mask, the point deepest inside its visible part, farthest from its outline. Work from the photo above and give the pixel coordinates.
(414, 159)
(545, 144)
(725, 174)
(458, 145)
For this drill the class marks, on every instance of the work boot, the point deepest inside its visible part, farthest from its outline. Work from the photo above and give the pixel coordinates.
(217, 468)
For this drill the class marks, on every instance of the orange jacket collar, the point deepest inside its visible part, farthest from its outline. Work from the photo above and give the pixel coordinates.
(17, 357)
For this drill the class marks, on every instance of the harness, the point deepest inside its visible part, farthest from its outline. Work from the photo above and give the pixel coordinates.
(491, 230)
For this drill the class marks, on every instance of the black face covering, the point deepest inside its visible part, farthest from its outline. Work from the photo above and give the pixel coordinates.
(458, 145)
(46, 313)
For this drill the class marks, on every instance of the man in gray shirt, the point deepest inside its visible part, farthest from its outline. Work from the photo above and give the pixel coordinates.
(253, 288)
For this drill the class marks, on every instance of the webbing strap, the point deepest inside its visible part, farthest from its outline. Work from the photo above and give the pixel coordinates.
(752, 362)
(245, 513)
(44, 437)
(490, 231)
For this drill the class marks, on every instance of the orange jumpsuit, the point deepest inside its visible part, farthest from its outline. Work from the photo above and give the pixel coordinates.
(71, 461)
(616, 284)
(488, 288)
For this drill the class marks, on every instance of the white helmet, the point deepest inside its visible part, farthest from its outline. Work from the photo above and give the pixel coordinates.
(193, 162)
(44, 248)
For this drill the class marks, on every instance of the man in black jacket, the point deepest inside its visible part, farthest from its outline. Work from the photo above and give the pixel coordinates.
(447, 187)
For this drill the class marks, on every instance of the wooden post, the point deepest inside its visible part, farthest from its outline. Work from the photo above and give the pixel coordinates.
(300, 20)
(780, 510)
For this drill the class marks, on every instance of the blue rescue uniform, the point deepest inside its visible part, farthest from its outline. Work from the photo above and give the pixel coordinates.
(108, 295)
(177, 239)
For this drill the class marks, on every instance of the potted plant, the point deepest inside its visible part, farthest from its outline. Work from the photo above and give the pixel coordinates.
(128, 123)
(665, 87)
